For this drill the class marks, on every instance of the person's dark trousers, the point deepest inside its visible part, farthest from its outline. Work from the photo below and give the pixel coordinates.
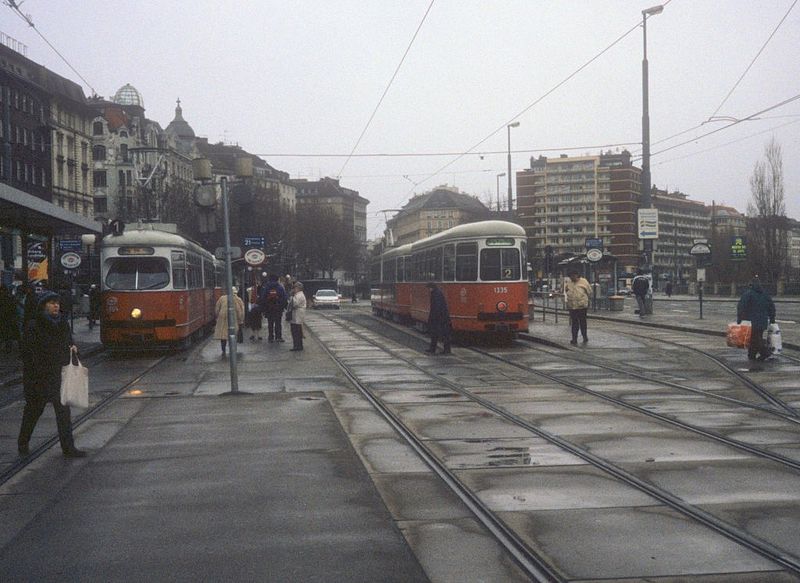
(757, 346)
(34, 407)
(642, 306)
(445, 344)
(297, 336)
(577, 319)
(274, 326)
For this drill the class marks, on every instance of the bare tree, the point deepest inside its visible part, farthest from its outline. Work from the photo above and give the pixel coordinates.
(325, 243)
(767, 224)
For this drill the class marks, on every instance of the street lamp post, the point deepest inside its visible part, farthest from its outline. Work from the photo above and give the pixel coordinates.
(499, 176)
(510, 198)
(645, 200)
(202, 172)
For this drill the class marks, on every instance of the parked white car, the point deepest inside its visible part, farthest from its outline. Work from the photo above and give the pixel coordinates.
(326, 298)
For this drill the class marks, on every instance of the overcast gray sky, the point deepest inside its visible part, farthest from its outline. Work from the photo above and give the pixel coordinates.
(302, 77)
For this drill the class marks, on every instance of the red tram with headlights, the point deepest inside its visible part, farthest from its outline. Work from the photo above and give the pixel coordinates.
(481, 268)
(158, 289)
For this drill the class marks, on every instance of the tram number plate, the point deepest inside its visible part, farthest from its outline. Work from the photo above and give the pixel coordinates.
(501, 290)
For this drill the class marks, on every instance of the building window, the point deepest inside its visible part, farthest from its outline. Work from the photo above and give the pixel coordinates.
(99, 178)
(97, 128)
(99, 153)
(123, 152)
(101, 205)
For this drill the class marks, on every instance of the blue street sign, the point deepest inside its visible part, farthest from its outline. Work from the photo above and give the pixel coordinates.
(69, 245)
(594, 243)
(254, 241)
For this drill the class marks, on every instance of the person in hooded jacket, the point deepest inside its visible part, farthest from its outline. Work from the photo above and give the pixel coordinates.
(756, 305)
(46, 347)
(439, 320)
(273, 300)
(578, 292)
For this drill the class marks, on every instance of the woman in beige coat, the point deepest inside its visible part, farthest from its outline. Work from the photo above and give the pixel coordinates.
(578, 292)
(297, 306)
(221, 310)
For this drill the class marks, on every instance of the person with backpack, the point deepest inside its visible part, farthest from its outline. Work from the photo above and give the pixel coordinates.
(641, 289)
(272, 300)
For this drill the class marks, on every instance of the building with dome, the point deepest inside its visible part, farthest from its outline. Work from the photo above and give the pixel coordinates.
(140, 170)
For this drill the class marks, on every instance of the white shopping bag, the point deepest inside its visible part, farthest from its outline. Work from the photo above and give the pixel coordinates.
(774, 339)
(75, 384)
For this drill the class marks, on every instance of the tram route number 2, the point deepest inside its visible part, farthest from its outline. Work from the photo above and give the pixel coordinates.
(501, 290)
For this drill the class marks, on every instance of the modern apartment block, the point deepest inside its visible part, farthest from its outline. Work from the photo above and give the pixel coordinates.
(681, 222)
(562, 202)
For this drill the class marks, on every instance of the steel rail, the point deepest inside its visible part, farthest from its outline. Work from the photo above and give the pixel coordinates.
(22, 462)
(526, 558)
(731, 532)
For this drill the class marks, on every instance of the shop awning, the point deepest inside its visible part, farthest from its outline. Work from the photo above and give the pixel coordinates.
(30, 214)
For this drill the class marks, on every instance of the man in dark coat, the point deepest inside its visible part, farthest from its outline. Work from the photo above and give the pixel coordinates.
(272, 300)
(8, 318)
(46, 347)
(641, 289)
(439, 320)
(756, 305)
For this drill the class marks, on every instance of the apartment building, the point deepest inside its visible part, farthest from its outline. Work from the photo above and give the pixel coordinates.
(562, 202)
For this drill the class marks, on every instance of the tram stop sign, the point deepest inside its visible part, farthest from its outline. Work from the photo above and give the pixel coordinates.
(254, 257)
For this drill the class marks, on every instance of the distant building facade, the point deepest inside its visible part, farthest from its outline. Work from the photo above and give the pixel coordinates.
(562, 202)
(432, 212)
(681, 222)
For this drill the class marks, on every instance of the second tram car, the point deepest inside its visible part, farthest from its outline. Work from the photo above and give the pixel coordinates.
(158, 289)
(480, 267)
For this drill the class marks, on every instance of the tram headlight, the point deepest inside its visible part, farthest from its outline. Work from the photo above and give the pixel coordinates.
(502, 306)
(136, 313)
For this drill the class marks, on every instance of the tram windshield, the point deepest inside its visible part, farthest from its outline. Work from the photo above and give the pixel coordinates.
(138, 273)
(500, 264)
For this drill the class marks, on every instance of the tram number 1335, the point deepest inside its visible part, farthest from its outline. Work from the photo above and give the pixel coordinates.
(501, 290)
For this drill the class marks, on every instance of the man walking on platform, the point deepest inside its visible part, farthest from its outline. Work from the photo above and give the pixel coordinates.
(641, 289)
(578, 292)
(756, 305)
(439, 320)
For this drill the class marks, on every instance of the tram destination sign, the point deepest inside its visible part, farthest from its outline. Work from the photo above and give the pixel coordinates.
(69, 245)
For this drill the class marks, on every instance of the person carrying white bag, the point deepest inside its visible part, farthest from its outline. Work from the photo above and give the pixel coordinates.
(774, 338)
(46, 347)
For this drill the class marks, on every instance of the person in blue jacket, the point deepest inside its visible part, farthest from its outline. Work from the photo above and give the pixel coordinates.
(439, 320)
(756, 305)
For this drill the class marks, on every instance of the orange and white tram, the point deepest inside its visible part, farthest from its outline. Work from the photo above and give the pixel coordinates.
(480, 267)
(158, 289)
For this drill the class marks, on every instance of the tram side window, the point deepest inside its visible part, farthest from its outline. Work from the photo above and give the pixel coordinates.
(435, 264)
(391, 270)
(178, 270)
(408, 274)
(500, 264)
(449, 265)
(418, 261)
(208, 274)
(138, 274)
(467, 261)
(193, 271)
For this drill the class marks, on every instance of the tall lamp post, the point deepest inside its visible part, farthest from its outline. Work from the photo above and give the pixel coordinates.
(202, 172)
(510, 198)
(499, 176)
(646, 181)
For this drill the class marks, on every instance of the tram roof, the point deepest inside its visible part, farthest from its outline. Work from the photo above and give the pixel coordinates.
(470, 230)
(153, 237)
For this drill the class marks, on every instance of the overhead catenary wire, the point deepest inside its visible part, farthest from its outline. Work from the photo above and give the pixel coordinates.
(385, 91)
(16, 8)
(758, 54)
(432, 154)
(530, 106)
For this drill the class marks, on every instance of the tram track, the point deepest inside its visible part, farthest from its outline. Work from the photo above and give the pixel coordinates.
(109, 397)
(731, 531)
(745, 380)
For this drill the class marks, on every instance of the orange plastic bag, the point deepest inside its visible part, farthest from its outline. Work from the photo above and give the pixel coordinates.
(738, 335)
